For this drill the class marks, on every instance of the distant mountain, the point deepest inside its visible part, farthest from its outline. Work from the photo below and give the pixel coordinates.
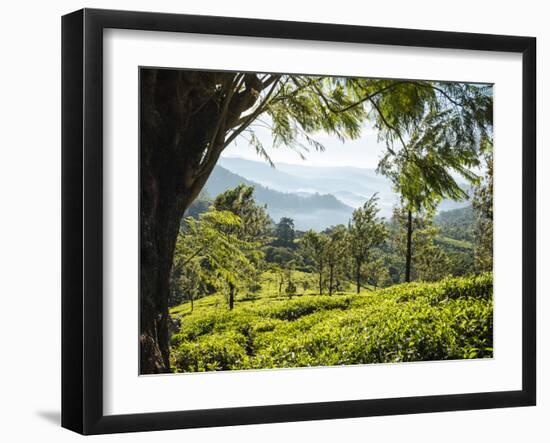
(352, 186)
(308, 210)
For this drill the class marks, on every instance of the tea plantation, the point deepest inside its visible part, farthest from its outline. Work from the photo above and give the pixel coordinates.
(450, 319)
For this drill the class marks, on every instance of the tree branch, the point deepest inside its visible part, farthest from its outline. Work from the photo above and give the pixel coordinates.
(270, 80)
(235, 86)
(261, 108)
(197, 252)
(300, 87)
(441, 91)
(368, 97)
(393, 128)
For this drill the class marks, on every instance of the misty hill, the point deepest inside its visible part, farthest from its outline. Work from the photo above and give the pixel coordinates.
(352, 186)
(309, 210)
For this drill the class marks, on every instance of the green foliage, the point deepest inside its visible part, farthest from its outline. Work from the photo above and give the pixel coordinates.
(377, 273)
(432, 131)
(199, 205)
(313, 246)
(456, 238)
(279, 254)
(448, 116)
(213, 353)
(336, 254)
(440, 135)
(240, 201)
(452, 243)
(284, 233)
(450, 319)
(483, 209)
(291, 289)
(429, 262)
(210, 252)
(457, 224)
(366, 231)
(187, 282)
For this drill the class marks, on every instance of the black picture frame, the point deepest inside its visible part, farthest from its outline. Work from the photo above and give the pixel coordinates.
(82, 218)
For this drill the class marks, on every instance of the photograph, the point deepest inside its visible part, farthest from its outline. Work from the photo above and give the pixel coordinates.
(291, 221)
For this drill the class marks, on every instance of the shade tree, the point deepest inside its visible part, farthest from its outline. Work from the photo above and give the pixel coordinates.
(437, 148)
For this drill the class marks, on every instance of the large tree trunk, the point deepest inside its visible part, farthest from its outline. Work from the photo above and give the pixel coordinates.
(408, 257)
(159, 229)
(184, 117)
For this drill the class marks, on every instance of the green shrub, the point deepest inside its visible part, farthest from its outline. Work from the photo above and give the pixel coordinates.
(212, 353)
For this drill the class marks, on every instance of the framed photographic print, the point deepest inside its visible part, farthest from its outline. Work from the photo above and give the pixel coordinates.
(269, 221)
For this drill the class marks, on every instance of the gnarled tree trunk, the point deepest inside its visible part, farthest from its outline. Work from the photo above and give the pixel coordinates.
(184, 118)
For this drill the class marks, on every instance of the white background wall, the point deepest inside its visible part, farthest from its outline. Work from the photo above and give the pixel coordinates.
(30, 220)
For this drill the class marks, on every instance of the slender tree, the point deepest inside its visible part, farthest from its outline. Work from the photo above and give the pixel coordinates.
(431, 262)
(290, 285)
(439, 147)
(376, 271)
(240, 201)
(483, 209)
(253, 228)
(314, 246)
(336, 251)
(226, 260)
(188, 282)
(366, 231)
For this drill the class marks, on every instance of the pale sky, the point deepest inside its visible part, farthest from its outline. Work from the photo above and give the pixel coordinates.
(364, 152)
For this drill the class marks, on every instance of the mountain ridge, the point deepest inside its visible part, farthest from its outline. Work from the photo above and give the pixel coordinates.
(311, 211)
(315, 197)
(351, 185)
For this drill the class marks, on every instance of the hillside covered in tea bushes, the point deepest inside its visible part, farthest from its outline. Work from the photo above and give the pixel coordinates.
(449, 319)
